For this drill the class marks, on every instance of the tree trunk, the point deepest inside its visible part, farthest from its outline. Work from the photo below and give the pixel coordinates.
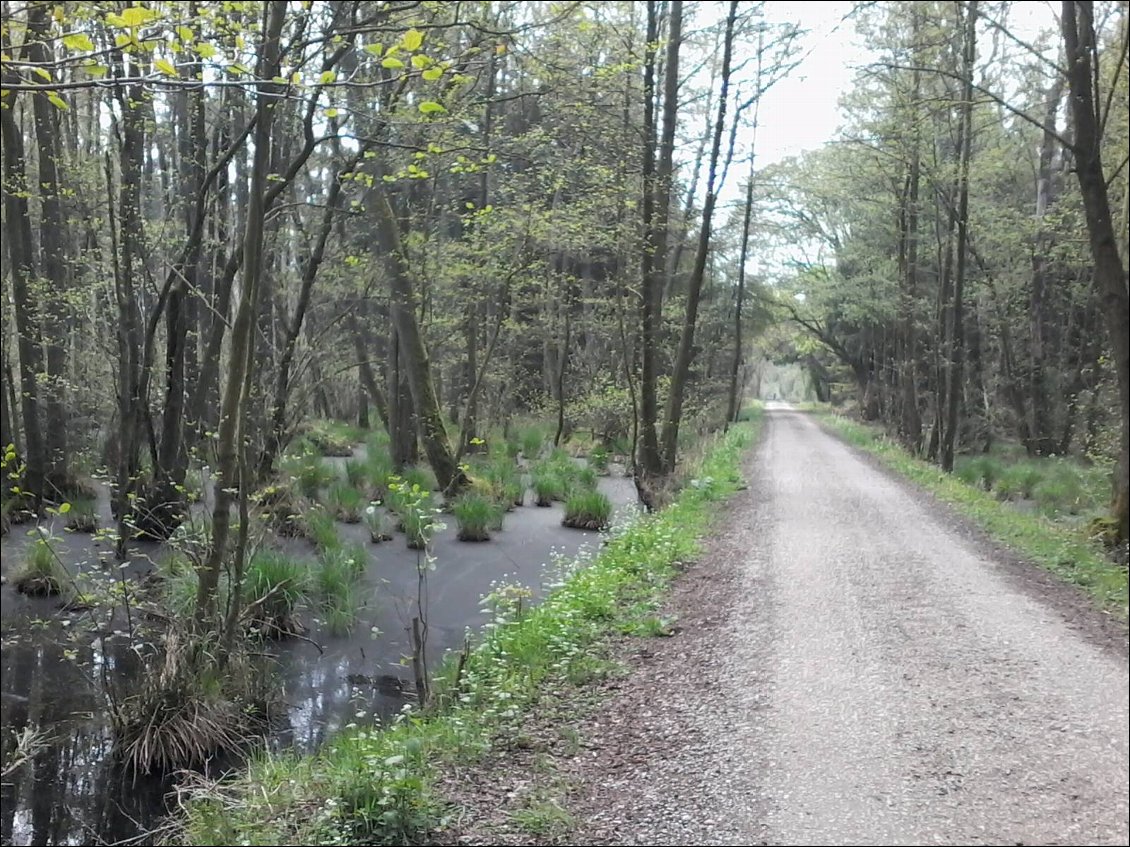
(656, 210)
(732, 407)
(674, 413)
(413, 355)
(956, 364)
(229, 443)
(22, 271)
(52, 248)
(1110, 278)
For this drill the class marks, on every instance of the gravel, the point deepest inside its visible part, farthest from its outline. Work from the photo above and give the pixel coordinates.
(851, 666)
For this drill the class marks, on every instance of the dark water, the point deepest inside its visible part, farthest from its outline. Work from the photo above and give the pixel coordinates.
(55, 667)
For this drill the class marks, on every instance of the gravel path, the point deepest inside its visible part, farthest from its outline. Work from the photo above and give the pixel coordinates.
(854, 667)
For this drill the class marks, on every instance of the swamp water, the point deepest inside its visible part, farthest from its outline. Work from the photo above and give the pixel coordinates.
(69, 792)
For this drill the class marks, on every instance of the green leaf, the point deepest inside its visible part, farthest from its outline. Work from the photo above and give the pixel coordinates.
(95, 70)
(412, 39)
(64, 508)
(206, 50)
(332, 113)
(239, 69)
(166, 67)
(137, 16)
(391, 62)
(421, 61)
(327, 77)
(185, 34)
(78, 41)
(432, 74)
(374, 49)
(57, 101)
(430, 107)
(43, 72)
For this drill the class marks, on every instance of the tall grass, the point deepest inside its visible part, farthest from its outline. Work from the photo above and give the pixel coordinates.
(322, 529)
(275, 585)
(345, 502)
(40, 572)
(587, 509)
(475, 515)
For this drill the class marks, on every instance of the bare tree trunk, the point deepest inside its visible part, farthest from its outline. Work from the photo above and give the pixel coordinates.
(22, 271)
(415, 357)
(956, 365)
(694, 293)
(656, 210)
(242, 357)
(52, 248)
(1110, 274)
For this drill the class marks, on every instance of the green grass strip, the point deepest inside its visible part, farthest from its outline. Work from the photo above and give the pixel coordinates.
(371, 785)
(1064, 550)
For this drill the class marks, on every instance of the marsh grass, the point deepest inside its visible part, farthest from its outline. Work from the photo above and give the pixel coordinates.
(345, 502)
(587, 509)
(475, 516)
(40, 573)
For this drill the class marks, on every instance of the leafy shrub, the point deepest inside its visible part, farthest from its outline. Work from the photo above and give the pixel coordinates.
(1018, 481)
(331, 438)
(419, 477)
(474, 514)
(356, 473)
(982, 472)
(345, 502)
(586, 478)
(378, 469)
(606, 411)
(531, 440)
(1061, 492)
(587, 510)
(335, 585)
(309, 473)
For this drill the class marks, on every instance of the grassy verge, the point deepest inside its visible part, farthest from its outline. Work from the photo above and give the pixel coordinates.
(370, 785)
(1065, 549)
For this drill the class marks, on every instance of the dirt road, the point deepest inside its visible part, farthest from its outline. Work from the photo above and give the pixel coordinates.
(855, 667)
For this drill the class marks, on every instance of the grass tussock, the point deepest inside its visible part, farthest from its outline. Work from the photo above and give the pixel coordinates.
(41, 574)
(372, 785)
(189, 708)
(587, 509)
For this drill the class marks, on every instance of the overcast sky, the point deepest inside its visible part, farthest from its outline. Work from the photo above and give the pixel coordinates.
(802, 111)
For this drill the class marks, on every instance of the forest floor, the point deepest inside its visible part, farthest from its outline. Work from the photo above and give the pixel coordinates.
(849, 663)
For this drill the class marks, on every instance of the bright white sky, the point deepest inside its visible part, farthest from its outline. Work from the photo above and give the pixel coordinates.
(802, 111)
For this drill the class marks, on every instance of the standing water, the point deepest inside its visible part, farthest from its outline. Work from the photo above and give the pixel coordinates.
(53, 712)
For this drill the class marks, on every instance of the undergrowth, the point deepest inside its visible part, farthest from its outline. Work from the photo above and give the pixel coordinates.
(371, 784)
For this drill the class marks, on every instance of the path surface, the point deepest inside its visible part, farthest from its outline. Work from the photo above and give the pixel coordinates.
(855, 668)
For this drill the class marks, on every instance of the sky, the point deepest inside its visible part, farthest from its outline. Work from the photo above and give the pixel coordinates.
(802, 112)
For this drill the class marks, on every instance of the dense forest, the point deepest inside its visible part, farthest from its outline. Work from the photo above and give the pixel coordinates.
(239, 234)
